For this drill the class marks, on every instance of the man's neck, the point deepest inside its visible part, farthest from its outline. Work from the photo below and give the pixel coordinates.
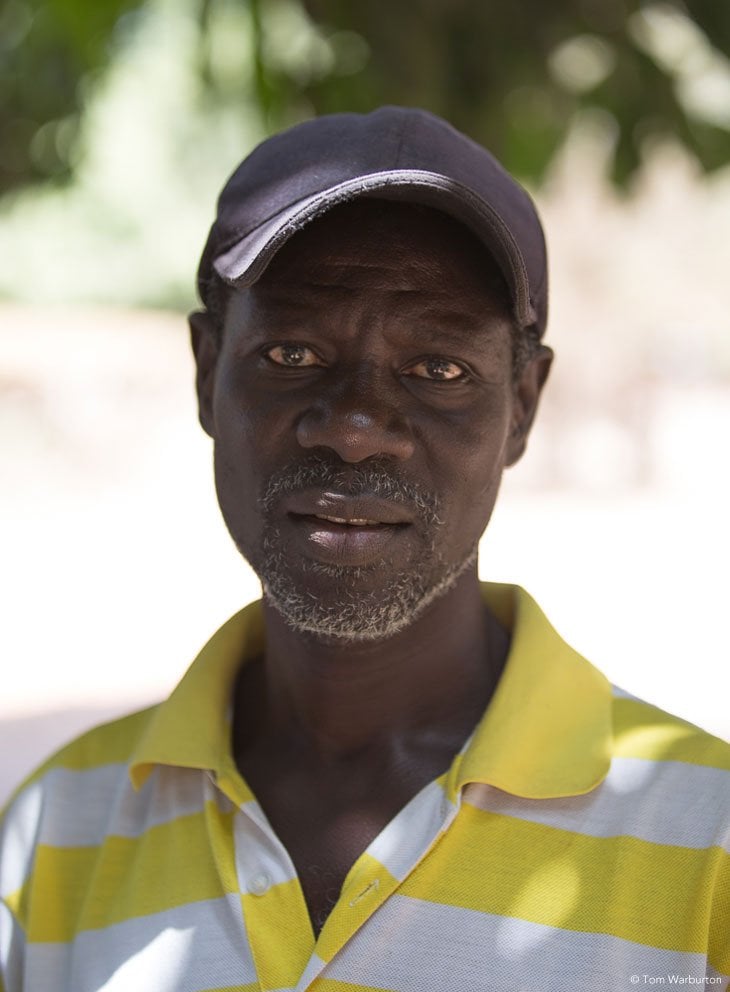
(432, 680)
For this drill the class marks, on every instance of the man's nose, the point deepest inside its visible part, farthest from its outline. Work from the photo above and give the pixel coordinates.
(357, 418)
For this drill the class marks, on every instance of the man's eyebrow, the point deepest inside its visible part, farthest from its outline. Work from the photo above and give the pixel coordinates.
(288, 294)
(435, 326)
(460, 330)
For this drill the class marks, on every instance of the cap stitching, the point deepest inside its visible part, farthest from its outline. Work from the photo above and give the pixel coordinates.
(401, 140)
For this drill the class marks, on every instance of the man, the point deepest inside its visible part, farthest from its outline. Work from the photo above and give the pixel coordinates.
(384, 775)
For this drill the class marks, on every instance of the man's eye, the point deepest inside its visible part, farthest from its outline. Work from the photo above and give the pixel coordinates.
(292, 355)
(438, 369)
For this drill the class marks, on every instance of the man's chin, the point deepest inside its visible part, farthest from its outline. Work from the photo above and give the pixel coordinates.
(355, 604)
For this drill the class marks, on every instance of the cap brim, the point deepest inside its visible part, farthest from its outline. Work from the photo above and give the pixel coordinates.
(243, 261)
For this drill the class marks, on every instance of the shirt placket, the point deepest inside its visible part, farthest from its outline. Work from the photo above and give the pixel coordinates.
(276, 918)
(279, 930)
(379, 871)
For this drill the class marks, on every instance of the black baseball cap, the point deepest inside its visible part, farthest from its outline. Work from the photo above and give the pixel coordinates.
(398, 153)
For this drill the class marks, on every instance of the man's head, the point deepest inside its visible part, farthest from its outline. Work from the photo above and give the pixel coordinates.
(365, 384)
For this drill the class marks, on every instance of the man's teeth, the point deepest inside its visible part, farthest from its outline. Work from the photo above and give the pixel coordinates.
(353, 521)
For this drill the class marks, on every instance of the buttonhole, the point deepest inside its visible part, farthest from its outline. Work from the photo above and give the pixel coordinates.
(373, 886)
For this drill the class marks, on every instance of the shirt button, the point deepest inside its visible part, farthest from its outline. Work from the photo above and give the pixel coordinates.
(259, 884)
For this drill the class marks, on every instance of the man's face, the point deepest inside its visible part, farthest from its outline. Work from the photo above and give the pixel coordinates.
(363, 407)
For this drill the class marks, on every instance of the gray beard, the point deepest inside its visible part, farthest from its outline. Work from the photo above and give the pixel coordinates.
(354, 611)
(354, 614)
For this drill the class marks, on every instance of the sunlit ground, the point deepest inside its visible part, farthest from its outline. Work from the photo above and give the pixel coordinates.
(116, 567)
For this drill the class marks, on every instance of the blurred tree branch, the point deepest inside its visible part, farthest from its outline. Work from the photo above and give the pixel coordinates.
(512, 75)
(515, 75)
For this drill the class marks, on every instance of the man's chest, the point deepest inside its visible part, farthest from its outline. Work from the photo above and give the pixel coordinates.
(325, 826)
(493, 904)
(485, 893)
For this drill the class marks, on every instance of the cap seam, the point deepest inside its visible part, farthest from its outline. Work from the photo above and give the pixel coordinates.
(401, 140)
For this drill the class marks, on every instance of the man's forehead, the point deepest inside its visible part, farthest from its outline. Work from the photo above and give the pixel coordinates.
(417, 267)
(369, 241)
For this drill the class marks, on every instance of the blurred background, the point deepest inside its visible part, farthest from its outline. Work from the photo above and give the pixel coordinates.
(120, 121)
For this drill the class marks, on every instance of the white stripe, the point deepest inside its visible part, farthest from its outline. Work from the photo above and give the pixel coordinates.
(17, 838)
(12, 950)
(78, 805)
(83, 808)
(189, 948)
(414, 946)
(664, 802)
(407, 838)
(259, 852)
(315, 966)
(618, 693)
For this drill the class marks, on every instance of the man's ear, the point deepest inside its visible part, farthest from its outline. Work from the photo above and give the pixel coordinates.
(205, 339)
(526, 394)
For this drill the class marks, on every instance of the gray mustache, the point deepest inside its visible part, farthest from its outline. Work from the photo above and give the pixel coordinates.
(358, 480)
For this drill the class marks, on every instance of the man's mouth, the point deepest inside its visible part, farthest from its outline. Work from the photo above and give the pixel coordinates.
(350, 521)
(341, 529)
(348, 511)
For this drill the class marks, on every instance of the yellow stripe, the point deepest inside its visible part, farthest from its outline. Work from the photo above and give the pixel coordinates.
(719, 947)
(280, 934)
(106, 744)
(222, 845)
(643, 731)
(367, 886)
(50, 903)
(620, 886)
(15, 903)
(170, 865)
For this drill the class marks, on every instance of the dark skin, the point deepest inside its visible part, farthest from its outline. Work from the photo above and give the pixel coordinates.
(373, 335)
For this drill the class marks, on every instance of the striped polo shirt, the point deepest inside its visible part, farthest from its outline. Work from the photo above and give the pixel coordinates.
(579, 842)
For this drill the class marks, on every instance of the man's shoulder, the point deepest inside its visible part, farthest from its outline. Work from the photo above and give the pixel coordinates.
(670, 777)
(105, 749)
(646, 732)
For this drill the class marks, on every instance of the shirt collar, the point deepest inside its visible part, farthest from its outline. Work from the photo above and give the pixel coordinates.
(192, 728)
(547, 731)
(545, 734)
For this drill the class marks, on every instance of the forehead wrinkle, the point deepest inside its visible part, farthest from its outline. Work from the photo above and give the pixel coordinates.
(286, 292)
(442, 315)
(360, 264)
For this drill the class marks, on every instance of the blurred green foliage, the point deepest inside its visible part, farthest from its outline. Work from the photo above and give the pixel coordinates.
(50, 53)
(513, 75)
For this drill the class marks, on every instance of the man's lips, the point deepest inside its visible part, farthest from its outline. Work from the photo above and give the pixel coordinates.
(342, 529)
(350, 511)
